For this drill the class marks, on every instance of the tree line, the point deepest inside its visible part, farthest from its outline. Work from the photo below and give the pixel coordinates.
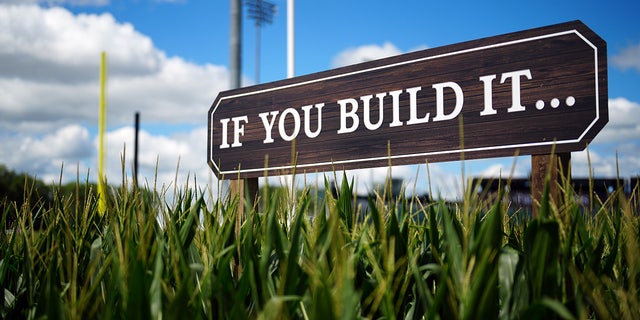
(18, 189)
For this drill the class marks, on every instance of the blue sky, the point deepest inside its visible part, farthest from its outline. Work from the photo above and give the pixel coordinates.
(168, 59)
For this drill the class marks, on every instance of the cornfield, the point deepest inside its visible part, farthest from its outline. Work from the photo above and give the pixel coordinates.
(313, 255)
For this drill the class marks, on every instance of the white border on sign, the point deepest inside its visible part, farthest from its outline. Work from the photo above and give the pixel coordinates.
(421, 154)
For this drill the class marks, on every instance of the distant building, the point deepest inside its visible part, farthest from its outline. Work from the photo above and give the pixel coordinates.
(519, 189)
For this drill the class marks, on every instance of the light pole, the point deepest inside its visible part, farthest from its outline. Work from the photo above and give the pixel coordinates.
(262, 12)
(290, 39)
(235, 45)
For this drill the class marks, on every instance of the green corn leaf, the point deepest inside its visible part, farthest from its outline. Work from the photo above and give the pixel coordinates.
(434, 235)
(484, 294)
(545, 201)
(542, 243)
(609, 260)
(50, 305)
(376, 217)
(393, 228)
(188, 228)
(546, 308)
(295, 279)
(155, 289)
(453, 251)
(345, 202)
(137, 305)
(509, 293)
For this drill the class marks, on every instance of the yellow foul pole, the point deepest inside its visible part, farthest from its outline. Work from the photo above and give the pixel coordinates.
(102, 196)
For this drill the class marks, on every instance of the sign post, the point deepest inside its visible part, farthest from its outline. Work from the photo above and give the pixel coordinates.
(526, 92)
(555, 168)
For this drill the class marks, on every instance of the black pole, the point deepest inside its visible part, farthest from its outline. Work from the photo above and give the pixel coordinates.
(135, 151)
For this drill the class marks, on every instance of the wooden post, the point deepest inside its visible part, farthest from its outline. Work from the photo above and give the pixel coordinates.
(247, 192)
(556, 166)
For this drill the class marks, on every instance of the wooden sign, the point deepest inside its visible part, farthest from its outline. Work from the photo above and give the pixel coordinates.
(522, 92)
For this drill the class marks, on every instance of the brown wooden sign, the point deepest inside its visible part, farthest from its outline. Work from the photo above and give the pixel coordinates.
(522, 92)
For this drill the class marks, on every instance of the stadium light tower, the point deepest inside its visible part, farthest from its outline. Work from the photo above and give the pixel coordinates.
(262, 12)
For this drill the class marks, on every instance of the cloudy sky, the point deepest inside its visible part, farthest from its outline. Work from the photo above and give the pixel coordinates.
(168, 59)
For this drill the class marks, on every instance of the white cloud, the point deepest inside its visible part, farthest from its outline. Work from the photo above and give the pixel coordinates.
(42, 107)
(51, 63)
(45, 155)
(629, 58)
(49, 77)
(93, 3)
(20, 2)
(96, 3)
(79, 2)
(161, 155)
(364, 53)
(55, 45)
(67, 142)
(624, 122)
(497, 170)
(180, 92)
(616, 149)
(436, 182)
(625, 164)
(71, 146)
